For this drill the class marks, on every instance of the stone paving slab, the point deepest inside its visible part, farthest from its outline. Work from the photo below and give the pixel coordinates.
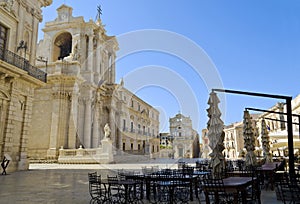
(65, 184)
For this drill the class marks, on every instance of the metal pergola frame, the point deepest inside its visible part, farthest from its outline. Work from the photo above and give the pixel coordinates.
(288, 102)
(280, 113)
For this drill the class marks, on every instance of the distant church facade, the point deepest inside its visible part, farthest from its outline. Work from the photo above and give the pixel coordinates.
(81, 95)
(185, 140)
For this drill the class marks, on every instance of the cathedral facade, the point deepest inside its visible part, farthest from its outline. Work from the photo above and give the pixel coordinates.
(185, 140)
(81, 95)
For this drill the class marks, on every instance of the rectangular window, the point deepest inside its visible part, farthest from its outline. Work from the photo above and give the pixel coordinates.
(131, 127)
(124, 124)
(131, 146)
(180, 152)
(123, 146)
(3, 39)
(139, 147)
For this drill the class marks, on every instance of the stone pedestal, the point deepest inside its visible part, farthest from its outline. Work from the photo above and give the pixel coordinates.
(106, 156)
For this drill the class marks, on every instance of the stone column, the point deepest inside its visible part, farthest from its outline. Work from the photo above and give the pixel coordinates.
(98, 61)
(113, 68)
(112, 124)
(33, 39)
(53, 143)
(109, 68)
(80, 120)
(73, 121)
(90, 53)
(87, 123)
(96, 135)
(106, 67)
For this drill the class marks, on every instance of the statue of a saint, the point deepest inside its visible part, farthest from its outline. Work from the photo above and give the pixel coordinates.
(107, 131)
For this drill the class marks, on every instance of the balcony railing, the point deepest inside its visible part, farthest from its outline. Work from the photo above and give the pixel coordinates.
(22, 63)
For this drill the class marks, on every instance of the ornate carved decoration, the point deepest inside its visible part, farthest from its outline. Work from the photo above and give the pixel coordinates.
(62, 95)
(8, 5)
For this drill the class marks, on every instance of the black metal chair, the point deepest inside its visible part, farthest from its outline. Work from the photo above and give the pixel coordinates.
(181, 192)
(289, 190)
(116, 192)
(254, 190)
(96, 189)
(215, 192)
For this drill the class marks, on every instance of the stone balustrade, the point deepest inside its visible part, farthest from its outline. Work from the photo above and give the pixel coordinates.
(100, 155)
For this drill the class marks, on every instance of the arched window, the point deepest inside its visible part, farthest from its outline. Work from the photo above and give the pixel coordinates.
(62, 46)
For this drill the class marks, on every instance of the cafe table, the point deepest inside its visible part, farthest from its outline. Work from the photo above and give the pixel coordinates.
(235, 185)
(128, 186)
(268, 170)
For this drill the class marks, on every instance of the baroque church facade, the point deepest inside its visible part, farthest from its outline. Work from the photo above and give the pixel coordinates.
(81, 95)
(185, 140)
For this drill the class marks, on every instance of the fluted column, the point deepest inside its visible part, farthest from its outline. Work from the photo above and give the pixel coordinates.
(73, 121)
(53, 143)
(98, 61)
(113, 68)
(109, 73)
(96, 133)
(87, 124)
(90, 53)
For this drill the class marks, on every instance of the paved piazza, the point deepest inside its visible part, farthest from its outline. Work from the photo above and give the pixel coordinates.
(67, 184)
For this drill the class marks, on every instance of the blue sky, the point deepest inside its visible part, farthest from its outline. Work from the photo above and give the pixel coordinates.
(251, 45)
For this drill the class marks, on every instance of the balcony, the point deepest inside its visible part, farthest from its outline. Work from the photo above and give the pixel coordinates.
(22, 63)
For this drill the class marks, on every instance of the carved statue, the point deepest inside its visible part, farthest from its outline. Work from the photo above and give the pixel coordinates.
(75, 53)
(75, 49)
(107, 131)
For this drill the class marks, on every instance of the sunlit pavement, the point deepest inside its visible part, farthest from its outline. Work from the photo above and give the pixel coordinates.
(54, 183)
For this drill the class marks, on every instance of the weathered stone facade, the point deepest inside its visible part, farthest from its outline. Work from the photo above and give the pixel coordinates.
(18, 78)
(185, 138)
(81, 95)
(138, 125)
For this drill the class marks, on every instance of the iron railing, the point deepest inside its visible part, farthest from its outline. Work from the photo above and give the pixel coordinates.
(22, 63)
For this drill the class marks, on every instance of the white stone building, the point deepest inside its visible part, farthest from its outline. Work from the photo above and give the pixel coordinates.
(185, 139)
(139, 125)
(18, 77)
(81, 95)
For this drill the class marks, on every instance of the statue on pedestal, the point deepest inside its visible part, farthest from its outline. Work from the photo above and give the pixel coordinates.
(107, 131)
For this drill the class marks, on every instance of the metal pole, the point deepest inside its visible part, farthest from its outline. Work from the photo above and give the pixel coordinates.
(290, 137)
(268, 111)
